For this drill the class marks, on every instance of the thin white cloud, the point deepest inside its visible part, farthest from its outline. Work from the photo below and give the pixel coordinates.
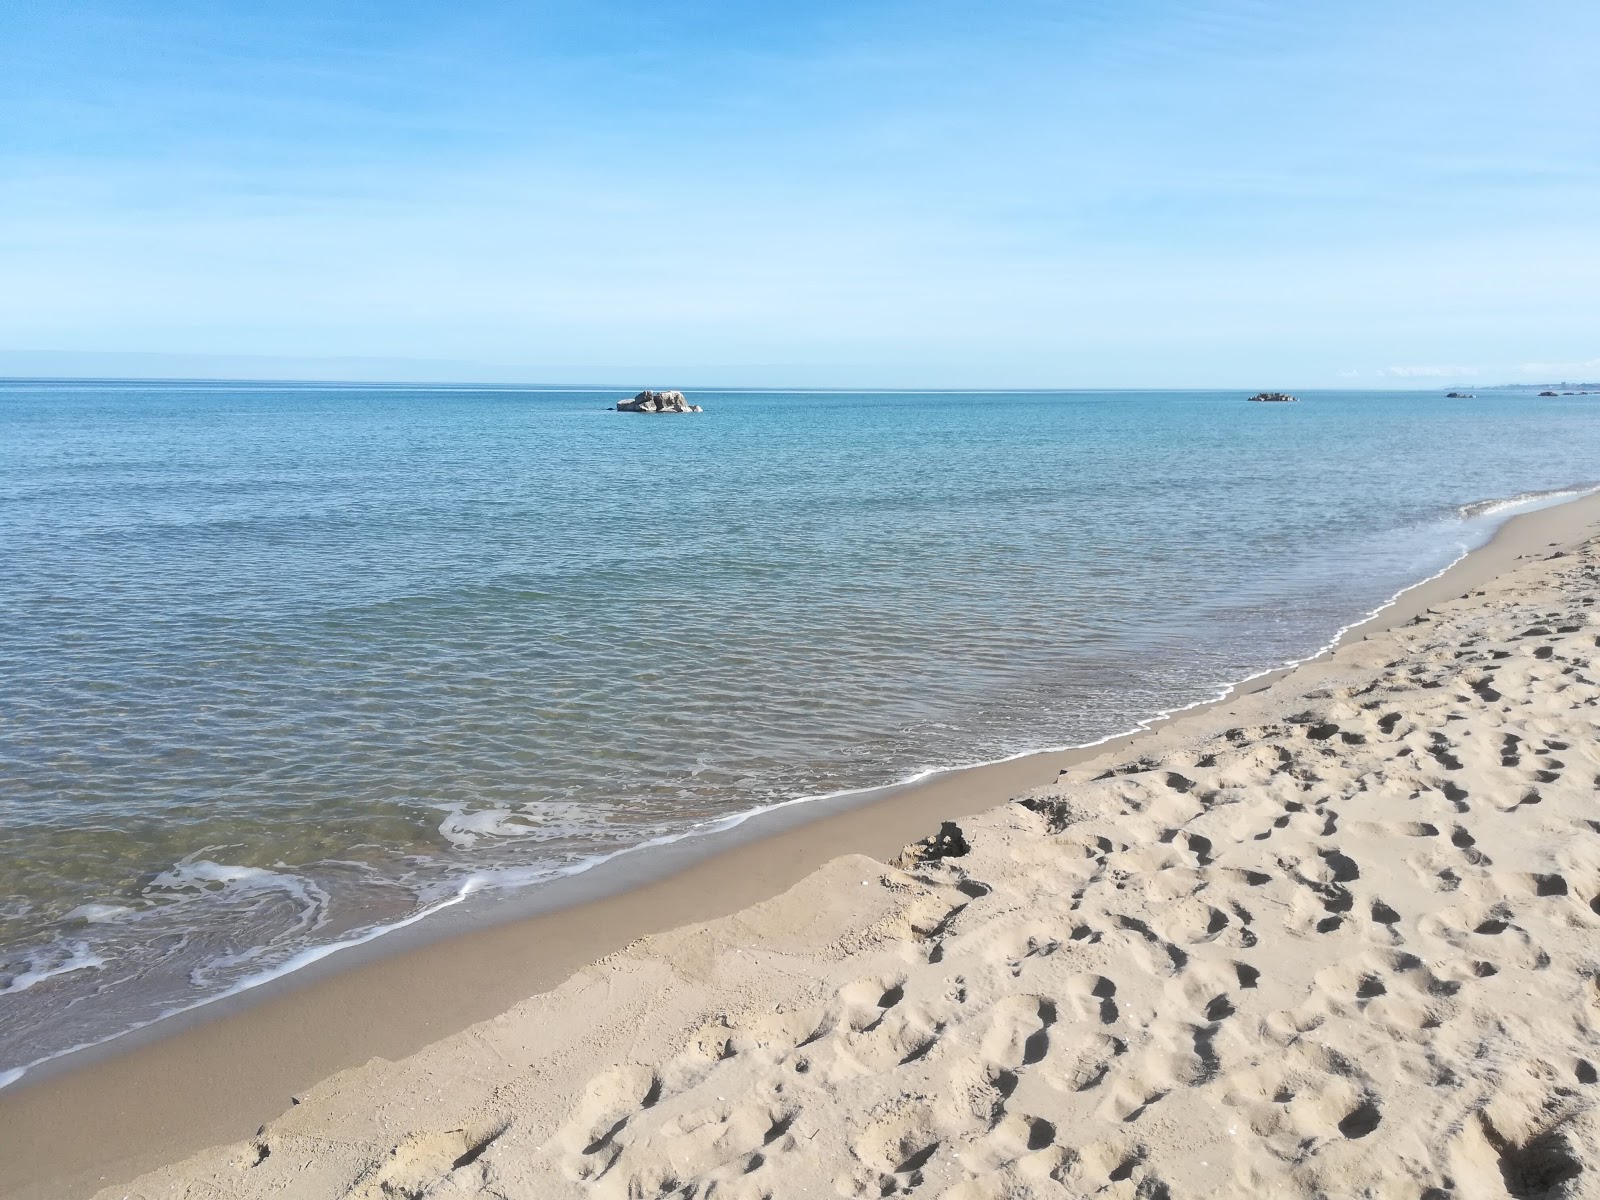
(1429, 372)
(1550, 370)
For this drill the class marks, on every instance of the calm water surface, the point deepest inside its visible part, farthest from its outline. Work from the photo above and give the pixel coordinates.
(282, 665)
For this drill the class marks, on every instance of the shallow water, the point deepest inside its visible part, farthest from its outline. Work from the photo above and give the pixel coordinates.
(285, 664)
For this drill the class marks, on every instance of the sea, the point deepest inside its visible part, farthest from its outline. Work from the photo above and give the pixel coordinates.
(286, 666)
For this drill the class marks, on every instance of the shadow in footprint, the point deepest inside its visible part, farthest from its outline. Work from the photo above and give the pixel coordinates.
(777, 1129)
(1035, 1048)
(1334, 898)
(1206, 1052)
(474, 1152)
(1041, 1133)
(1103, 991)
(1344, 868)
(1143, 1108)
(1361, 1120)
(1538, 1167)
(1123, 1170)
(604, 1140)
(921, 1049)
(918, 1160)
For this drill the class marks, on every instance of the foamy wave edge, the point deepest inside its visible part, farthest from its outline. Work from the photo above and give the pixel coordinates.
(1528, 500)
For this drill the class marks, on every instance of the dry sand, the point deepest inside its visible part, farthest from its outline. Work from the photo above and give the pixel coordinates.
(1331, 938)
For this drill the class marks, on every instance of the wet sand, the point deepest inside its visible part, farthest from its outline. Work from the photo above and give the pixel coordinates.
(156, 1099)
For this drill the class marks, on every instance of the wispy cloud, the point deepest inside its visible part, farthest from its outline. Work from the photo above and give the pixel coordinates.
(1429, 372)
(1540, 371)
(1551, 370)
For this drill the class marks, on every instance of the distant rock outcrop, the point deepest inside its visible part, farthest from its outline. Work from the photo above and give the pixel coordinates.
(1460, 396)
(1549, 393)
(658, 402)
(1274, 398)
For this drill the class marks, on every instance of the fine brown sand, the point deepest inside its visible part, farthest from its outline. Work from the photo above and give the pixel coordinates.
(1329, 937)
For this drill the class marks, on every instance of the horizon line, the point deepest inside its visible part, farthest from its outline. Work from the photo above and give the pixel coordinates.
(469, 385)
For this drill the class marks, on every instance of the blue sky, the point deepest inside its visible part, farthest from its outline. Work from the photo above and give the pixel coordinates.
(1101, 193)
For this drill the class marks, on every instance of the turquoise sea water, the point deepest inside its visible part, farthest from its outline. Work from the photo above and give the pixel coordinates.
(281, 666)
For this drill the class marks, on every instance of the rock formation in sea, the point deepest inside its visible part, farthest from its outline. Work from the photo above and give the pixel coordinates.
(658, 402)
(1274, 398)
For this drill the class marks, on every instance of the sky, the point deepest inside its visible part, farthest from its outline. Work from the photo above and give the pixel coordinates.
(1079, 193)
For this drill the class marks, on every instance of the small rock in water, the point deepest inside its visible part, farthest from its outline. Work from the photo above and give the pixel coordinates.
(658, 402)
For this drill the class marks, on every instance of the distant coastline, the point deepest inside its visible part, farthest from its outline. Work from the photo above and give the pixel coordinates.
(1534, 387)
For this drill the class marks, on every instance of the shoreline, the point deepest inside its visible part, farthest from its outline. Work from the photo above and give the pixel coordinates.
(155, 1098)
(667, 854)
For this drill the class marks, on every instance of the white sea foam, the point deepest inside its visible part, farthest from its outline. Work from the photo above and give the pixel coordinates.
(288, 966)
(60, 959)
(99, 914)
(463, 828)
(193, 877)
(1523, 502)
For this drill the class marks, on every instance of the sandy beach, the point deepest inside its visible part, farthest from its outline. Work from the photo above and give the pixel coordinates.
(1331, 936)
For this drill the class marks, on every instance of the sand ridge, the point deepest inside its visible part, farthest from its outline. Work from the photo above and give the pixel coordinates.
(1335, 939)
